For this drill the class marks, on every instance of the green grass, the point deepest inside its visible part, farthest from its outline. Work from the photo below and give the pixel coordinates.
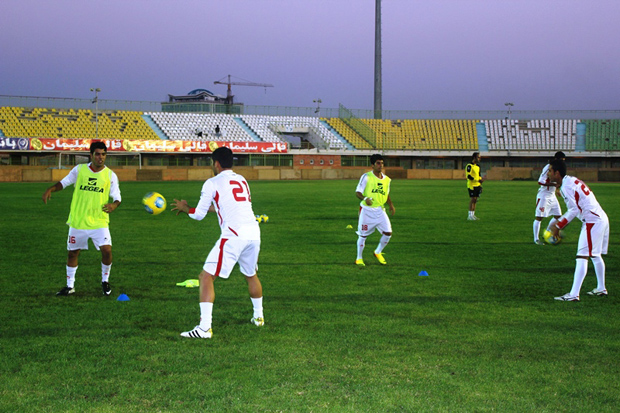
(480, 333)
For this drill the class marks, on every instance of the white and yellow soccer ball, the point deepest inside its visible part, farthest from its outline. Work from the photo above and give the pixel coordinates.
(550, 239)
(154, 203)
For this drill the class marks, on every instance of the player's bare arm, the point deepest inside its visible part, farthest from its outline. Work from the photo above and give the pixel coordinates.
(111, 207)
(391, 205)
(361, 196)
(182, 206)
(48, 192)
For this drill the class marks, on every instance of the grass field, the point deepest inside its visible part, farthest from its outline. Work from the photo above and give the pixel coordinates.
(480, 333)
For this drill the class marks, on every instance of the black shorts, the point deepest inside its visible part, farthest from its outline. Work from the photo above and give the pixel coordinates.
(475, 193)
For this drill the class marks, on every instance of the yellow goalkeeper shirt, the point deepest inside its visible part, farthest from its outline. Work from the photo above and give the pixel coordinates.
(472, 173)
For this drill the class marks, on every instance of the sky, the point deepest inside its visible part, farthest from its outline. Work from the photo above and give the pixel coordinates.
(437, 54)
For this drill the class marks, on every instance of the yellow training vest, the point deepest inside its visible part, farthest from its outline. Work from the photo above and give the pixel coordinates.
(91, 193)
(377, 189)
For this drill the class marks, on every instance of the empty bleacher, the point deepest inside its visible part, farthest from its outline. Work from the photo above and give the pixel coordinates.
(73, 124)
(602, 135)
(532, 135)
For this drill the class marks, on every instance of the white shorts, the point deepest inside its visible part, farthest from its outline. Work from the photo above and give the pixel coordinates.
(594, 238)
(371, 219)
(547, 205)
(229, 251)
(78, 238)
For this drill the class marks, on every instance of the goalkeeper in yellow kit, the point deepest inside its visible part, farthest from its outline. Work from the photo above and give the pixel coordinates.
(373, 190)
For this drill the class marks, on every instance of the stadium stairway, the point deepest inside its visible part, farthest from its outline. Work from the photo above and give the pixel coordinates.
(580, 138)
(347, 145)
(481, 131)
(247, 129)
(149, 121)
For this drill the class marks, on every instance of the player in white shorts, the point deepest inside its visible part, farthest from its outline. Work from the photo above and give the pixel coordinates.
(594, 236)
(228, 195)
(94, 185)
(373, 189)
(546, 202)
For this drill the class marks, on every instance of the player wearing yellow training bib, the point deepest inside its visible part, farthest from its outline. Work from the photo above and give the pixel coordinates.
(474, 184)
(89, 214)
(373, 190)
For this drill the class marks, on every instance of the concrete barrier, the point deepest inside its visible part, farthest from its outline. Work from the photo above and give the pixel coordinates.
(290, 174)
(37, 175)
(11, 174)
(174, 174)
(199, 174)
(269, 174)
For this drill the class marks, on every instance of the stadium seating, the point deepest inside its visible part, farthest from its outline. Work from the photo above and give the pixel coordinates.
(532, 135)
(264, 127)
(413, 134)
(602, 135)
(73, 124)
(332, 133)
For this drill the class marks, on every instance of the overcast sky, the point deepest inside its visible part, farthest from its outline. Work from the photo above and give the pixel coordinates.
(437, 54)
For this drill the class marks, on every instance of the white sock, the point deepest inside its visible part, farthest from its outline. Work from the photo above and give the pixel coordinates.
(382, 243)
(581, 269)
(105, 272)
(599, 269)
(71, 276)
(536, 230)
(361, 243)
(206, 315)
(471, 214)
(553, 221)
(257, 303)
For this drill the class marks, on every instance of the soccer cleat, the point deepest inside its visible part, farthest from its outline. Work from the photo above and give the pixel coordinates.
(258, 321)
(566, 297)
(66, 291)
(472, 218)
(380, 258)
(106, 288)
(598, 293)
(360, 263)
(198, 332)
(539, 242)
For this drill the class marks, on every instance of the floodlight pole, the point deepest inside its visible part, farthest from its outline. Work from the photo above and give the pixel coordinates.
(378, 106)
(96, 102)
(318, 107)
(509, 105)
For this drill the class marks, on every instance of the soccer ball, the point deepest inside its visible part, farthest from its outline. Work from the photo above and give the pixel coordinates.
(154, 203)
(550, 239)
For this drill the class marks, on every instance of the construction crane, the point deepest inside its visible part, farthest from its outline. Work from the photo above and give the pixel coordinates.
(229, 95)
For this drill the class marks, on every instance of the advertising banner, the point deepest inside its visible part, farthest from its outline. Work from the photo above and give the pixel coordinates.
(150, 146)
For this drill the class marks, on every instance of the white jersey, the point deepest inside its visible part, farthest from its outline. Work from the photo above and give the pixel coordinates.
(546, 187)
(580, 202)
(230, 195)
(72, 176)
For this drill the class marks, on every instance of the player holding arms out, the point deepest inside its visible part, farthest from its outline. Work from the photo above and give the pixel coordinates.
(89, 214)
(474, 184)
(373, 190)
(546, 202)
(594, 236)
(228, 195)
